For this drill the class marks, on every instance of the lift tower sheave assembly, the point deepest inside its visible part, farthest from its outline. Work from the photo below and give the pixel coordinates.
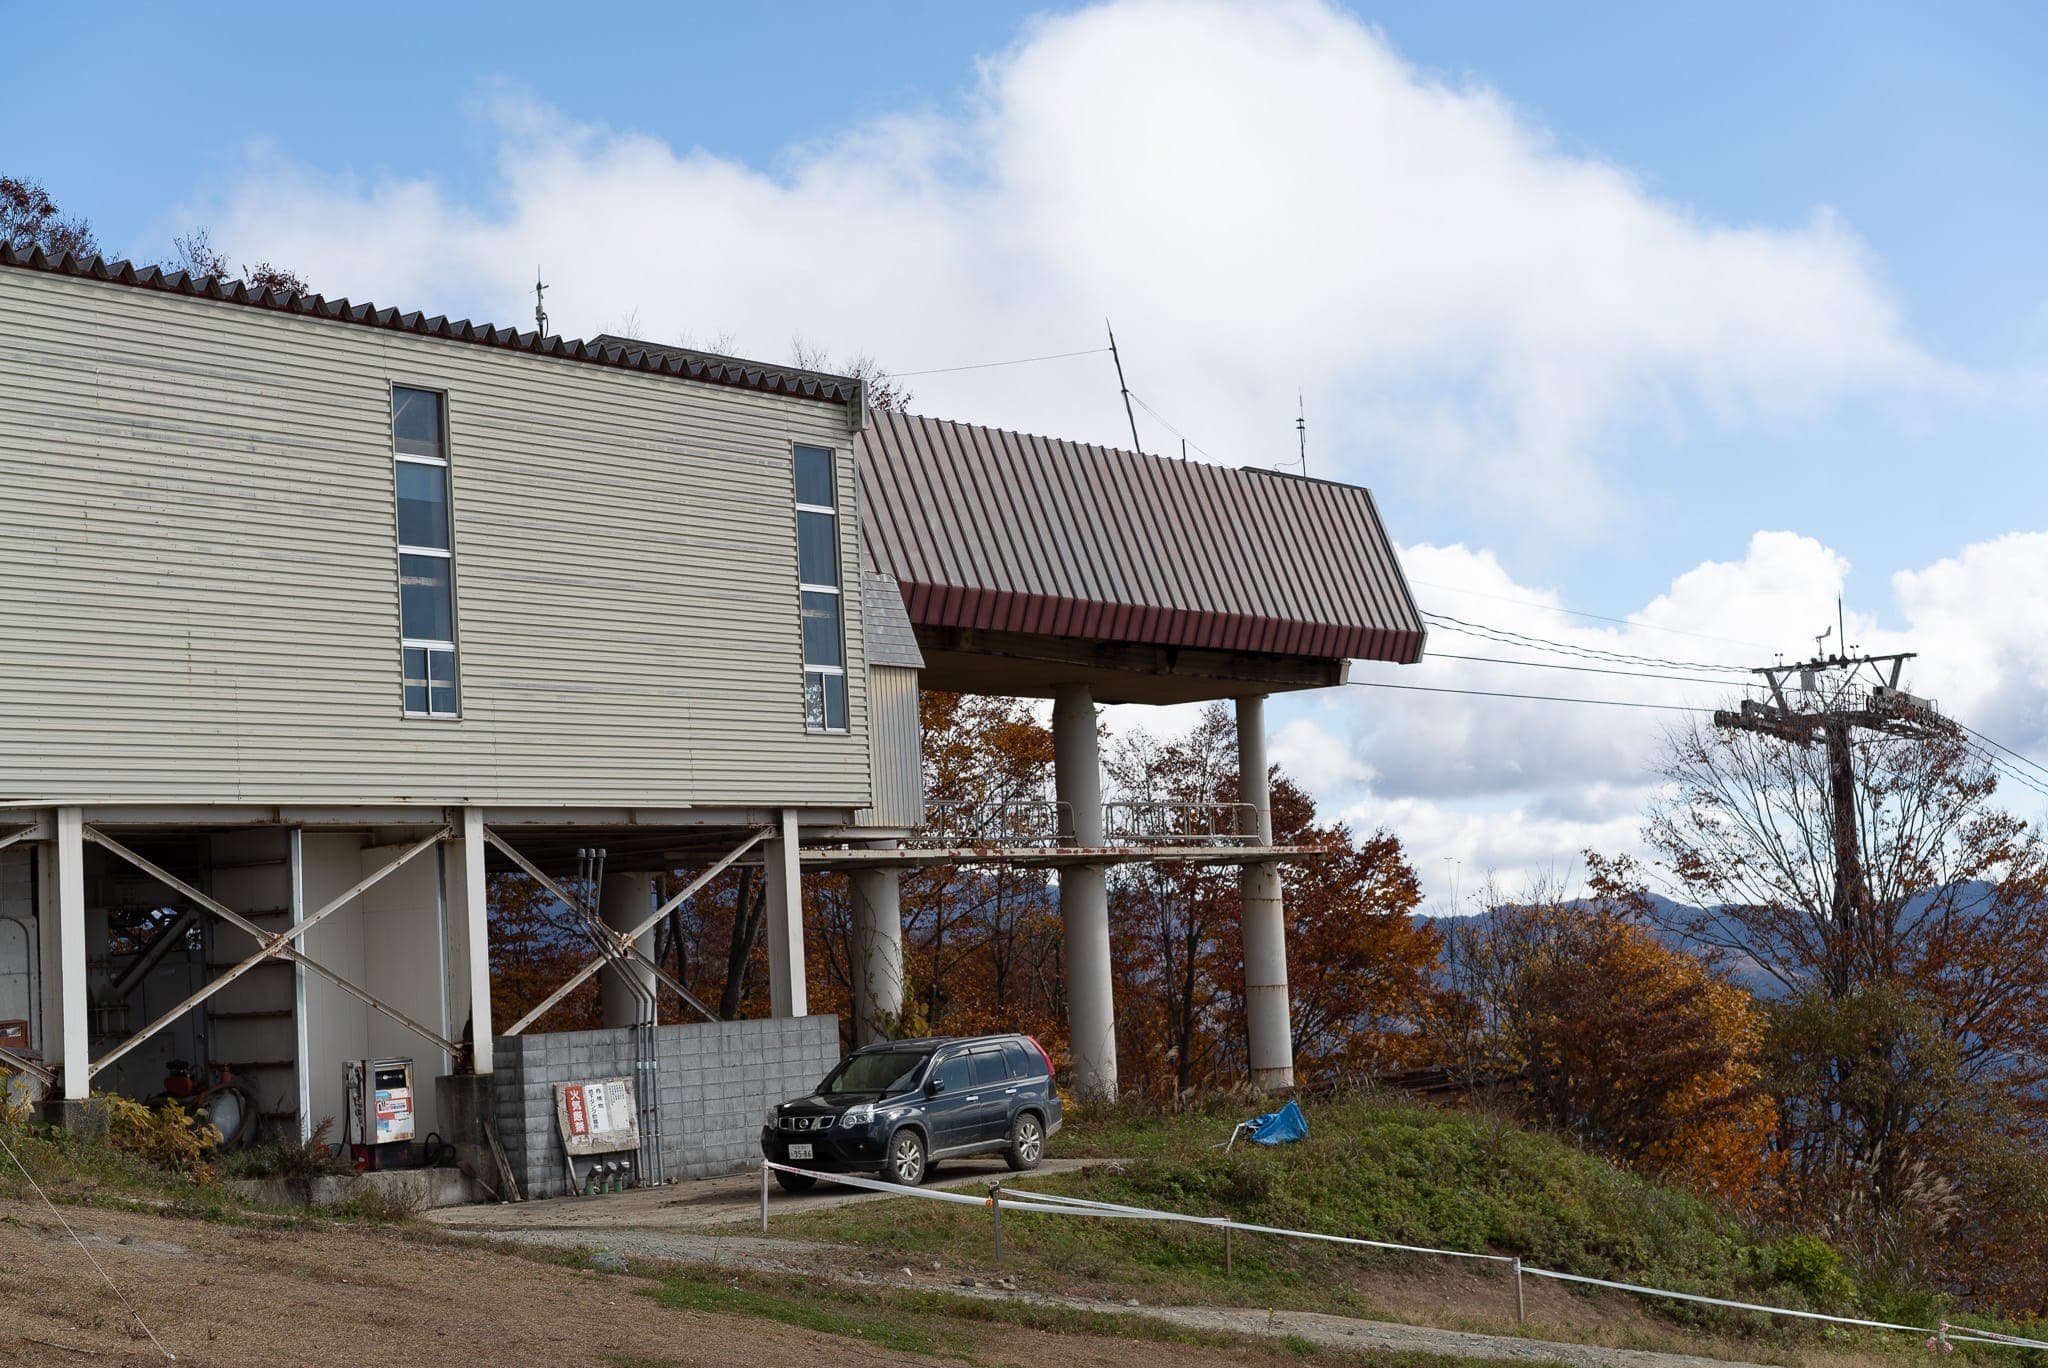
(1825, 701)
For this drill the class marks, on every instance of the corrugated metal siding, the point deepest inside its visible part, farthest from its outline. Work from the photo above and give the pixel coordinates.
(1002, 531)
(198, 596)
(899, 750)
(601, 351)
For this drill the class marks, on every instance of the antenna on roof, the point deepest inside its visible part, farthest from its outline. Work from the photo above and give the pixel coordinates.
(540, 312)
(1135, 444)
(1301, 428)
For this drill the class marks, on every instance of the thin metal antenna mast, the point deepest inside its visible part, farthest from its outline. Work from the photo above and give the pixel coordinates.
(1301, 428)
(540, 313)
(1128, 413)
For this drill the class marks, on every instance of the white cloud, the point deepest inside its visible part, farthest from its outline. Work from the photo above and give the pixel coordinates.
(1262, 197)
(1517, 789)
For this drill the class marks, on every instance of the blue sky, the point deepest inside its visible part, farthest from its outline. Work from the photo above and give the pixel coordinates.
(1897, 147)
(1921, 126)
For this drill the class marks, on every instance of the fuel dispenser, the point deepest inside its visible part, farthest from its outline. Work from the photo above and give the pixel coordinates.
(379, 1128)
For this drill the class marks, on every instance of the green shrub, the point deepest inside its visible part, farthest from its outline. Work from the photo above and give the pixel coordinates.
(1807, 1263)
(284, 1157)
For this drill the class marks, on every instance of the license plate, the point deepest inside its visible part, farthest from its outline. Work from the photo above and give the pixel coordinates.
(799, 1151)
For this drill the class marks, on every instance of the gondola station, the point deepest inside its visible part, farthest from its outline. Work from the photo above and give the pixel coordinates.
(314, 615)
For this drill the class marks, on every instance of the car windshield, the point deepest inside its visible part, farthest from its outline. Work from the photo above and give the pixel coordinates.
(890, 1071)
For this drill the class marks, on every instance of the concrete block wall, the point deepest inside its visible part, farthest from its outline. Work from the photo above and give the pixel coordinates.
(715, 1081)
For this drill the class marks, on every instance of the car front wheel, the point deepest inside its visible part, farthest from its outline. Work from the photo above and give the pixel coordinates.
(795, 1182)
(906, 1159)
(1027, 1143)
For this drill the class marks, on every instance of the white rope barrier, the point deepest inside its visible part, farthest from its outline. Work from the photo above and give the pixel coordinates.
(1224, 1221)
(1058, 1204)
(119, 1295)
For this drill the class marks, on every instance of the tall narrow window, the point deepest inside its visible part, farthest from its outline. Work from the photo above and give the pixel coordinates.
(818, 590)
(426, 555)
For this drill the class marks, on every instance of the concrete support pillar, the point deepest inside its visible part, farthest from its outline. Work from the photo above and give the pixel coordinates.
(783, 915)
(877, 953)
(60, 927)
(1268, 1017)
(1084, 897)
(623, 903)
(469, 939)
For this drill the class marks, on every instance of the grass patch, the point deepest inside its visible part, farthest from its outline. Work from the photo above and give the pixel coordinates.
(1385, 1170)
(941, 1324)
(808, 1307)
(92, 1171)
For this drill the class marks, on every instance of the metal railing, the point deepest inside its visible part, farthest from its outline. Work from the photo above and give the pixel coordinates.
(1044, 823)
(998, 822)
(1169, 822)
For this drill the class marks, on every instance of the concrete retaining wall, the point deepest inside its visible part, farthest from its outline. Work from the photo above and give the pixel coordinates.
(716, 1079)
(408, 1189)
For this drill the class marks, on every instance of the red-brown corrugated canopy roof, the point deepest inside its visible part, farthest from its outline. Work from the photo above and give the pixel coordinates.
(1001, 531)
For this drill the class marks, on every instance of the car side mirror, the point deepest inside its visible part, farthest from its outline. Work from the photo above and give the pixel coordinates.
(935, 1087)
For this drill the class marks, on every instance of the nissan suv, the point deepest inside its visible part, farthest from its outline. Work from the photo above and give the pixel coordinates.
(900, 1107)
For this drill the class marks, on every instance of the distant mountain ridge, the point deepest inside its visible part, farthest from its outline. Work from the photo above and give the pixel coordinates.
(1740, 966)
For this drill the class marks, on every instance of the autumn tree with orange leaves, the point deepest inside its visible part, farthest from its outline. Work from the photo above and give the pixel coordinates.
(1636, 1049)
(1361, 968)
(1909, 1029)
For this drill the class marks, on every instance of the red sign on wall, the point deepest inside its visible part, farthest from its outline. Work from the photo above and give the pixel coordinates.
(579, 1114)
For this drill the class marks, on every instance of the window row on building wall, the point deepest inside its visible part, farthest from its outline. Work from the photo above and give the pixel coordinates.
(429, 673)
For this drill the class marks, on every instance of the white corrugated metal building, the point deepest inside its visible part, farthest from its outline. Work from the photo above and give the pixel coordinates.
(311, 614)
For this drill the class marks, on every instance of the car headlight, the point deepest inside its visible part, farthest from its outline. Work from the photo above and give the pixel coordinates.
(770, 1118)
(858, 1116)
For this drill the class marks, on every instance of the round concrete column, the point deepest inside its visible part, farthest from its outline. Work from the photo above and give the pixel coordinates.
(623, 902)
(1084, 897)
(1268, 1017)
(877, 953)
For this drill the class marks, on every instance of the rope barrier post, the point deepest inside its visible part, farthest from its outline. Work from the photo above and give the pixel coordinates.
(1521, 1305)
(1226, 1251)
(764, 1197)
(995, 1209)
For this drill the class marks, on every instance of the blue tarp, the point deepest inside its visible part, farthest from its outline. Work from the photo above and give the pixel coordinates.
(1282, 1127)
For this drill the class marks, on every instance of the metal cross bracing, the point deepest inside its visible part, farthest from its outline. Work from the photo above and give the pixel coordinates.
(615, 947)
(270, 944)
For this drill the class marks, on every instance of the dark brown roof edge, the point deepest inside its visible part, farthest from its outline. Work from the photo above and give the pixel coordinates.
(701, 367)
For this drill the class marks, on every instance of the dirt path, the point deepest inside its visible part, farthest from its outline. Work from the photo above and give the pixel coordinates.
(340, 1295)
(733, 1200)
(682, 1224)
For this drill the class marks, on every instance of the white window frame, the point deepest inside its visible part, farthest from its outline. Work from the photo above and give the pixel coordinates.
(838, 564)
(451, 646)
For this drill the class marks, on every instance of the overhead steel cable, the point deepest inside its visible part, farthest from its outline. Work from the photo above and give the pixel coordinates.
(2004, 767)
(1139, 399)
(2035, 764)
(1538, 698)
(1596, 617)
(1510, 637)
(991, 365)
(1595, 669)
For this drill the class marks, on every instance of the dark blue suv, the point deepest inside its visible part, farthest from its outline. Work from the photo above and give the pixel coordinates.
(900, 1107)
